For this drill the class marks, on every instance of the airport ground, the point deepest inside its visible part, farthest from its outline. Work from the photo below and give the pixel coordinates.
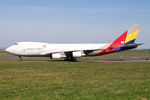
(119, 76)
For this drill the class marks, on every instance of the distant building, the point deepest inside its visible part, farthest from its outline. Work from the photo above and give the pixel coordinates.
(2, 50)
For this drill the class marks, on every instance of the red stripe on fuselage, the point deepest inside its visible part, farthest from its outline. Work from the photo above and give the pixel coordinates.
(118, 42)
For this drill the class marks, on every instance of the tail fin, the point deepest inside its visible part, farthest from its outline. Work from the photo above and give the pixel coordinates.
(127, 37)
(132, 34)
(124, 42)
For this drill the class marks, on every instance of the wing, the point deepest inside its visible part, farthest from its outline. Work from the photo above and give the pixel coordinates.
(70, 53)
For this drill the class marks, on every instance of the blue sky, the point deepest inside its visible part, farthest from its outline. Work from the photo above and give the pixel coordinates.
(72, 21)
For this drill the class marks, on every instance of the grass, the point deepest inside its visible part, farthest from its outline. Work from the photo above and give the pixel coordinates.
(75, 80)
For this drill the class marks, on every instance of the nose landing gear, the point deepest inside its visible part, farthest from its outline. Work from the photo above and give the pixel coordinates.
(20, 58)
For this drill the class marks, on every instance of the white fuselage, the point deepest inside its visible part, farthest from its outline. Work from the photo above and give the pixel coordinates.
(71, 51)
(45, 49)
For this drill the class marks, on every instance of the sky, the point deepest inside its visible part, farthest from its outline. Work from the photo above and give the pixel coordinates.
(72, 21)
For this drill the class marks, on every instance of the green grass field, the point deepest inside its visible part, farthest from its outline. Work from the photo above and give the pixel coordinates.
(75, 80)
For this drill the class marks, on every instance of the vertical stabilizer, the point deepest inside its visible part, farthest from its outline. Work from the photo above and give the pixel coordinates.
(124, 42)
(132, 34)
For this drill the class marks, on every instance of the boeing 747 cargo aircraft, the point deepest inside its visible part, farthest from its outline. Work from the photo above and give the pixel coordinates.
(71, 51)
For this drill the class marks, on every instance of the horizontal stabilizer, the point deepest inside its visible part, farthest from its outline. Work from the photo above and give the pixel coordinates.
(130, 46)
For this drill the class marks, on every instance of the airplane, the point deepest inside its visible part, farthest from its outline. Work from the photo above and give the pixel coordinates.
(72, 51)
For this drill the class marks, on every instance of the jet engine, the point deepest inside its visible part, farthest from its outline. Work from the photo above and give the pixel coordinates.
(56, 55)
(77, 54)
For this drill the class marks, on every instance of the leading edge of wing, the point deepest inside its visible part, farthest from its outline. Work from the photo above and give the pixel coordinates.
(70, 51)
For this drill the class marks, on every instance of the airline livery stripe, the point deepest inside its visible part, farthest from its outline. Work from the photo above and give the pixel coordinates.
(132, 36)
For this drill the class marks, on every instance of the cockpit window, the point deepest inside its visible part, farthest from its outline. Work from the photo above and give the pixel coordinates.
(16, 43)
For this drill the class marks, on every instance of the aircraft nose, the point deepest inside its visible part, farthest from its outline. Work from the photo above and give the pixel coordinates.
(9, 49)
(16, 50)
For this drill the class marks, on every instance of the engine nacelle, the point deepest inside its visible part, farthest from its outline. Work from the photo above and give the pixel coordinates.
(56, 55)
(77, 54)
